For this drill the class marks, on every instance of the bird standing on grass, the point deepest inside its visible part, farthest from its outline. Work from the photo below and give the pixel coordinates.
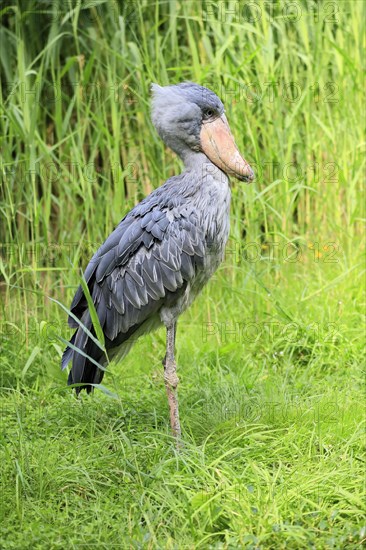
(156, 261)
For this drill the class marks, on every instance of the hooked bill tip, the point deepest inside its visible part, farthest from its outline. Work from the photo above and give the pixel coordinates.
(249, 177)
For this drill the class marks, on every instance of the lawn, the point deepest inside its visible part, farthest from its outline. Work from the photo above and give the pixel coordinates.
(271, 355)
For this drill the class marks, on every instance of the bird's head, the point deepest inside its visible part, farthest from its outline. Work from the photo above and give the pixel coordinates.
(191, 118)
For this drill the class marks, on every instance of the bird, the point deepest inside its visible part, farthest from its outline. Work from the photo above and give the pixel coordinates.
(163, 252)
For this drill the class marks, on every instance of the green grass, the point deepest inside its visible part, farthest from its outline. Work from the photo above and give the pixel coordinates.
(270, 355)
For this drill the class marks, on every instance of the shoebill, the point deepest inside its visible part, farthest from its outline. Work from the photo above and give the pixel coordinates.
(163, 252)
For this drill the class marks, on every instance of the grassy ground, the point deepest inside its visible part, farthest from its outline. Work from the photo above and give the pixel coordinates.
(270, 355)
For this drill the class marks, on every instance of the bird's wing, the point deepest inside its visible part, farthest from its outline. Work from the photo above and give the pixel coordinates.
(152, 254)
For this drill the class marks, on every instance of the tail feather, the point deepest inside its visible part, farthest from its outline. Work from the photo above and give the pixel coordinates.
(67, 354)
(84, 371)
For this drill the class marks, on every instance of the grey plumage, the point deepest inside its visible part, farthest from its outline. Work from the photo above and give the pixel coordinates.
(165, 249)
(155, 251)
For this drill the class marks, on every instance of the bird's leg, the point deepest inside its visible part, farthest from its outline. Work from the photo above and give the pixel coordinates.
(171, 380)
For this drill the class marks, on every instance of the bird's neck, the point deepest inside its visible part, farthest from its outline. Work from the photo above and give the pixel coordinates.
(202, 167)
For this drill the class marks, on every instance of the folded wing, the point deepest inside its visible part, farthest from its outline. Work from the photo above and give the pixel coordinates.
(146, 262)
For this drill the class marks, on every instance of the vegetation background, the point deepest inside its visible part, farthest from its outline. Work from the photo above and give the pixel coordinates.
(270, 355)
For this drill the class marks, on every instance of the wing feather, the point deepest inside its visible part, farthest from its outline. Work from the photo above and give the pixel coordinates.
(151, 256)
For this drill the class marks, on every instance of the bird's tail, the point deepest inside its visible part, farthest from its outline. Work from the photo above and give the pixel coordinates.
(84, 368)
(67, 354)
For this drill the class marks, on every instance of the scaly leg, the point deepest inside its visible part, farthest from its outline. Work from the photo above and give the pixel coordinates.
(171, 380)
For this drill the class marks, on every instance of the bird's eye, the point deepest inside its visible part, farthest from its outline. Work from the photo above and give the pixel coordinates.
(208, 113)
